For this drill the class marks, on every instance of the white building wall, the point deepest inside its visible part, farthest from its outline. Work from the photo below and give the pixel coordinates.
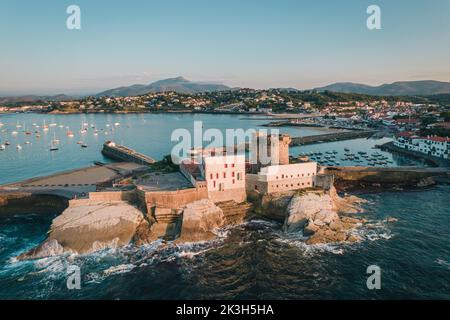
(225, 177)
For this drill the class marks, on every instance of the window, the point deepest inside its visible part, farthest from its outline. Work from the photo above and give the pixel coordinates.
(232, 174)
(256, 187)
(226, 165)
(217, 176)
(214, 183)
(212, 177)
(232, 165)
(234, 181)
(224, 175)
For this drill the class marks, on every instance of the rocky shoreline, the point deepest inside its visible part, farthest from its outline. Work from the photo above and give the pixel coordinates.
(89, 226)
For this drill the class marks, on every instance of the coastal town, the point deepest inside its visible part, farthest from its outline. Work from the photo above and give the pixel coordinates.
(427, 119)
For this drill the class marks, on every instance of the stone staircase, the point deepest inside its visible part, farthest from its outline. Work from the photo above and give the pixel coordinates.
(166, 215)
(168, 223)
(235, 213)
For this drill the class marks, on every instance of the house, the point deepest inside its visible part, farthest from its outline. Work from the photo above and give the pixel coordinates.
(431, 145)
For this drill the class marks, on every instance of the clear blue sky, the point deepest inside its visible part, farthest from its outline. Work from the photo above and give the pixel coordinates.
(248, 43)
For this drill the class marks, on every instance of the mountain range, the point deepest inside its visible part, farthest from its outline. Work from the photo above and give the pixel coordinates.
(182, 85)
(179, 84)
(400, 88)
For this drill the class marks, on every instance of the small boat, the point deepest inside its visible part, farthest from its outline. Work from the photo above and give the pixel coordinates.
(2, 147)
(53, 147)
(28, 133)
(84, 145)
(347, 150)
(69, 134)
(7, 143)
(27, 142)
(14, 133)
(19, 147)
(80, 142)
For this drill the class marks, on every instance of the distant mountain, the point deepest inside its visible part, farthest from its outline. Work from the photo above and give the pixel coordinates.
(401, 88)
(179, 84)
(32, 99)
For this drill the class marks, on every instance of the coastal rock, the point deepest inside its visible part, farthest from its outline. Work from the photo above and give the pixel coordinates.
(316, 215)
(200, 221)
(274, 206)
(88, 226)
(48, 248)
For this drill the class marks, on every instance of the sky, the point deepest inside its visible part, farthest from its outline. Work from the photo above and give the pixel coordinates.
(244, 43)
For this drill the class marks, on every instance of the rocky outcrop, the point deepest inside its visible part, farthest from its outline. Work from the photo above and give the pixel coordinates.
(316, 215)
(200, 221)
(86, 227)
(273, 206)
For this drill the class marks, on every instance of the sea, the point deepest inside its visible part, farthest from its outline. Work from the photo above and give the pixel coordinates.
(407, 237)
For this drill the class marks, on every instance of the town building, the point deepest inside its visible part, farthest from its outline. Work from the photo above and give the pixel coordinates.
(430, 145)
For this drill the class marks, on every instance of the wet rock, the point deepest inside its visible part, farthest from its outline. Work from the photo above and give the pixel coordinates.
(48, 248)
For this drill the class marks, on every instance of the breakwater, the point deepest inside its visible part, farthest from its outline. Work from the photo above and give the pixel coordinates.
(329, 137)
(367, 178)
(122, 153)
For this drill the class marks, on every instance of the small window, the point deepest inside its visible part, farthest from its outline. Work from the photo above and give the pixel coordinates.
(232, 174)
(226, 165)
(224, 175)
(234, 181)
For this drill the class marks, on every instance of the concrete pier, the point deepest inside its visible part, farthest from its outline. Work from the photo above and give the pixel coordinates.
(121, 153)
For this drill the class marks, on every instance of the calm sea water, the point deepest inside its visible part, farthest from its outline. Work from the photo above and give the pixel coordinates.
(147, 133)
(255, 260)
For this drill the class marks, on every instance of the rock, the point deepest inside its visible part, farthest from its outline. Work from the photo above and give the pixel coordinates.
(391, 220)
(200, 221)
(274, 206)
(48, 248)
(353, 238)
(88, 226)
(310, 229)
(316, 214)
(337, 225)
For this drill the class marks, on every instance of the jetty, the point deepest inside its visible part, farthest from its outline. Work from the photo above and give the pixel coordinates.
(330, 137)
(121, 153)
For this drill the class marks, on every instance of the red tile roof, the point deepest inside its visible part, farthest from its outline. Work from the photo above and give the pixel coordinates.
(406, 121)
(438, 139)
